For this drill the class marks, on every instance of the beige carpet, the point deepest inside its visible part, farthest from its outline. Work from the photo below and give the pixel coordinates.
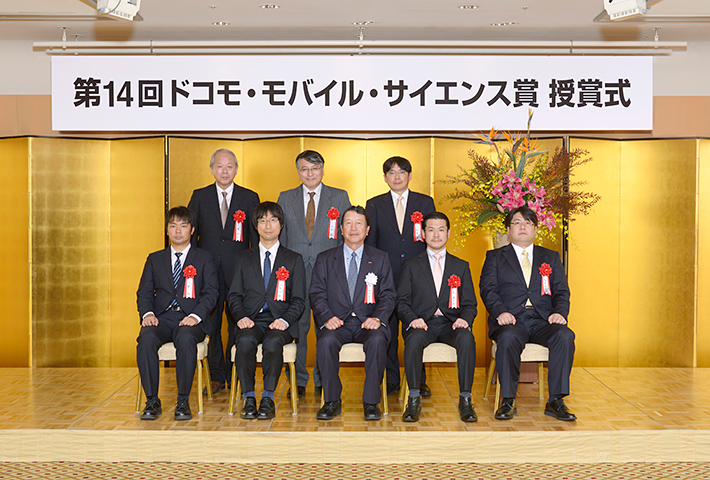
(166, 471)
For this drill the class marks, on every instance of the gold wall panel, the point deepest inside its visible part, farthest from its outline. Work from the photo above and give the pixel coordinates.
(657, 253)
(270, 166)
(190, 165)
(703, 258)
(594, 258)
(70, 254)
(136, 229)
(14, 243)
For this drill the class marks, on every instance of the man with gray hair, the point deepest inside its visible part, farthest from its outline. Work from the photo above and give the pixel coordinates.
(312, 212)
(223, 211)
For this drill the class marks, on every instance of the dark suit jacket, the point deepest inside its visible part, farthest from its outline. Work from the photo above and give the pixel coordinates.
(209, 234)
(416, 294)
(294, 235)
(503, 287)
(329, 288)
(247, 295)
(384, 233)
(156, 292)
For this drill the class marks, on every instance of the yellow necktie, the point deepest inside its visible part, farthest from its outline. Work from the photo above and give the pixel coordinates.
(399, 212)
(527, 268)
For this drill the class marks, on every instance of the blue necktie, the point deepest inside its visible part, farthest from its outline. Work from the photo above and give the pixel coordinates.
(352, 276)
(267, 274)
(176, 275)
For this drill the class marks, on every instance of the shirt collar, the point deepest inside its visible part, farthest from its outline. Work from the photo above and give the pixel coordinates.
(431, 253)
(395, 196)
(229, 189)
(519, 250)
(317, 190)
(347, 251)
(273, 250)
(184, 252)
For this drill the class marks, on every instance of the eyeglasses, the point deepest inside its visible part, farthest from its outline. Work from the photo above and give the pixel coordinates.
(518, 223)
(314, 169)
(397, 173)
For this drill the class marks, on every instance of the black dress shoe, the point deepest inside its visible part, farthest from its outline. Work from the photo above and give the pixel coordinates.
(152, 409)
(301, 392)
(372, 411)
(329, 410)
(557, 408)
(413, 410)
(507, 409)
(466, 411)
(424, 390)
(392, 388)
(249, 409)
(318, 390)
(267, 409)
(182, 410)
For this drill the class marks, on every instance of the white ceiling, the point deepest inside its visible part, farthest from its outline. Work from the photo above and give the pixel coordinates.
(333, 20)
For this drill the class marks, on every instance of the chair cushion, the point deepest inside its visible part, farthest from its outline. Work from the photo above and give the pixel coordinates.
(531, 353)
(352, 352)
(439, 352)
(167, 351)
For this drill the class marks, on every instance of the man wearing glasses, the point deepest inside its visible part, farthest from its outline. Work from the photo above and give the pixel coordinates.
(311, 214)
(393, 229)
(524, 289)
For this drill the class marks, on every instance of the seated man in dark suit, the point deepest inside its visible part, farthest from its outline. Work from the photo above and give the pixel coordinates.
(267, 296)
(437, 303)
(352, 296)
(524, 288)
(177, 292)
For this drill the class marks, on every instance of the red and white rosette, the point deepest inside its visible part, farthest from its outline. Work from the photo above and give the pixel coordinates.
(333, 215)
(545, 271)
(189, 291)
(417, 218)
(281, 275)
(239, 217)
(370, 282)
(454, 282)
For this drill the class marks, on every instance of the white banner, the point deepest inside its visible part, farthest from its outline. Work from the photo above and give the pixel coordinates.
(350, 93)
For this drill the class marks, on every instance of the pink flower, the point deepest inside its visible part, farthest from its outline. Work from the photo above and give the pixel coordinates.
(548, 221)
(510, 178)
(498, 189)
(539, 193)
(535, 206)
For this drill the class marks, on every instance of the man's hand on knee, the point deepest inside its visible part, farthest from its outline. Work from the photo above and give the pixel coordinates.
(557, 318)
(506, 318)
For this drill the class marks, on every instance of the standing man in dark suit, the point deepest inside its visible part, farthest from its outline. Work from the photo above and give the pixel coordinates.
(267, 296)
(311, 211)
(223, 211)
(437, 303)
(524, 288)
(177, 292)
(353, 295)
(393, 228)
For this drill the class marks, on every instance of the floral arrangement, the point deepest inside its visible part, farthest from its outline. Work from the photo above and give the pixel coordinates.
(522, 174)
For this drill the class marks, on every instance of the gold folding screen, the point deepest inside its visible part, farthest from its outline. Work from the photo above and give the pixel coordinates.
(85, 213)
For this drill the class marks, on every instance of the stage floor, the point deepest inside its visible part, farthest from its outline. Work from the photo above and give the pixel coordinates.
(624, 415)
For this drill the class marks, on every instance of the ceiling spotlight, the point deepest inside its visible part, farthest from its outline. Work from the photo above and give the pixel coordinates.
(213, 6)
(270, 7)
(503, 24)
(363, 24)
(220, 24)
(468, 7)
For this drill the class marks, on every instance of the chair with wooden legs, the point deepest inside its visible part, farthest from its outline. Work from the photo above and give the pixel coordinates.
(353, 353)
(167, 353)
(436, 352)
(531, 353)
(289, 355)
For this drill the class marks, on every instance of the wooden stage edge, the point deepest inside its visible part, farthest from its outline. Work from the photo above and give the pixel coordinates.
(625, 415)
(355, 447)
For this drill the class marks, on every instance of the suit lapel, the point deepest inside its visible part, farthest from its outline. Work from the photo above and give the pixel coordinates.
(390, 216)
(276, 263)
(213, 202)
(166, 260)
(511, 257)
(323, 207)
(535, 277)
(449, 268)
(255, 261)
(188, 261)
(339, 268)
(427, 274)
(365, 268)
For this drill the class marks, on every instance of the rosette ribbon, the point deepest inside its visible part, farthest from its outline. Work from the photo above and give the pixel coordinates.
(239, 217)
(417, 218)
(189, 291)
(545, 271)
(333, 215)
(370, 282)
(454, 283)
(281, 275)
